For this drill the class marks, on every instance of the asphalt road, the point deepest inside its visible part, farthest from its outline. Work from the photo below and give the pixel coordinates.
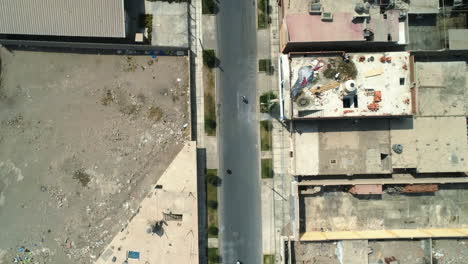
(240, 210)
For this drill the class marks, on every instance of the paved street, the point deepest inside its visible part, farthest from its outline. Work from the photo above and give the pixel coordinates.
(240, 211)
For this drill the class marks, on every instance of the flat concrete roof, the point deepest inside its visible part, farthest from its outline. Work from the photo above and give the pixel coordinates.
(310, 28)
(84, 18)
(346, 25)
(458, 39)
(388, 82)
(170, 23)
(342, 147)
(302, 6)
(343, 27)
(365, 146)
(442, 88)
(423, 7)
(334, 209)
(409, 251)
(434, 144)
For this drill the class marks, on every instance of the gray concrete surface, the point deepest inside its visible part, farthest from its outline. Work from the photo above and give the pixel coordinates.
(240, 211)
(170, 23)
(209, 32)
(212, 159)
(276, 191)
(335, 210)
(404, 251)
(342, 147)
(196, 73)
(442, 251)
(268, 217)
(458, 39)
(450, 251)
(323, 253)
(442, 88)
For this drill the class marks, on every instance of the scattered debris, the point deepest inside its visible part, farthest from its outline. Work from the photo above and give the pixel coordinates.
(83, 177)
(373, 107)
(107, 98)
(155, 113)
(377, 96)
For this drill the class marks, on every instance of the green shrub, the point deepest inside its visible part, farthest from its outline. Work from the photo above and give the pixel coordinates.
(266, 125)
(213, 180)
(210, 115)
(213, 256)
(347, 70)
(209, 58)
(267, 168)
(265, 102)
(146, 21)
(265, 135)
(330, 73)
(213, 204)
(213, 230)
(209, 7)
(264, 65)
(210, 103)
(263, 14)
(268, 259)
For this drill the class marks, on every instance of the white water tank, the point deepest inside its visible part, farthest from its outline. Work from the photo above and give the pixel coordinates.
(350, 86)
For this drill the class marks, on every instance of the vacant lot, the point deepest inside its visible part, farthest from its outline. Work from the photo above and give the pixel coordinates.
(82, 138)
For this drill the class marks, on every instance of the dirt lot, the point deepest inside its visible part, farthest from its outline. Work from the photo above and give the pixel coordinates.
(82, 138)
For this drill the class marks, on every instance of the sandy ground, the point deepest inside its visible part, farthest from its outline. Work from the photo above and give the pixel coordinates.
(82, 140)
(175, 238)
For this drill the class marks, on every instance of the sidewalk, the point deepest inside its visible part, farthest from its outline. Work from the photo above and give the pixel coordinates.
(210, 42)
(196, 34)
(198, 118)
(276, 192)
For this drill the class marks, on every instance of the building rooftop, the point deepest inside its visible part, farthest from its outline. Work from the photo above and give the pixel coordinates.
(339, 21)
(423, 7)
(344, 147)
(432, 141)
(433, 144)
(311, 28)
(369, 146)
(84, 18)
(391, 210)
(417, 251)
(325, 85)
(458, 39)
(429, 31)
(442, 88)
(307, 28)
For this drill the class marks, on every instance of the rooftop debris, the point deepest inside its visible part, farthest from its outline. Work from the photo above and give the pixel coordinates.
(421, 188)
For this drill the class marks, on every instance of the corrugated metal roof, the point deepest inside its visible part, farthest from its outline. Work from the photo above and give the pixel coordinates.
(79, 18)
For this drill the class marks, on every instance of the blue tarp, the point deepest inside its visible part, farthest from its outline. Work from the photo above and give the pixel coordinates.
(134, 255)
(304, 79)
